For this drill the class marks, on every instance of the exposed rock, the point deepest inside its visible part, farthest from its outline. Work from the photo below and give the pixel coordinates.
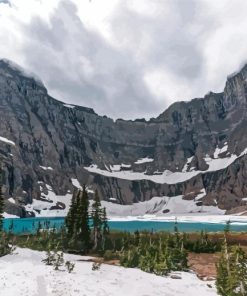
(43, 140)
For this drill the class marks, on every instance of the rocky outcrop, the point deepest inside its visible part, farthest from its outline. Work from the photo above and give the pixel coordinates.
(44, 141)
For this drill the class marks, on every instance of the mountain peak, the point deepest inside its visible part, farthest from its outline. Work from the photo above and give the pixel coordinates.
(242, 71)
(14, 69)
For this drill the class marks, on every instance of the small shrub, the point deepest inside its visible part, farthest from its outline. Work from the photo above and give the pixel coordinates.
(96, 266)
(6, 247)
(50, 258)
(110, 255)
(59, 261)
(70, 266)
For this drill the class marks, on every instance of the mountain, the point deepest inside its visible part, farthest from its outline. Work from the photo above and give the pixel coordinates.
(194, 153)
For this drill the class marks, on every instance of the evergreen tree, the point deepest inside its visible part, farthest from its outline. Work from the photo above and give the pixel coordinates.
(84, 219)
(106, 229)
(1, 199)
(241, 270)
(232, 272)
(70, 218)
(77, 215)
(96, 216)
(227, 227)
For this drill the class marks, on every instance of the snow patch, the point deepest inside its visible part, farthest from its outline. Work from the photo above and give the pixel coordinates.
(11, 200)
(21, 278)
(144, 160)
(220, 150)
(69, 106)
(115, 167)
(125, 165)
(46, 168)
(5, 140)
(76, 183)
(6, 215)
(161, 207)
(42, 207)
(186, 166)
(167, 176)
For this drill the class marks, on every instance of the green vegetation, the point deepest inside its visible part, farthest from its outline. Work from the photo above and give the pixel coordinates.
(100, 225)
(77, 222)
(78, 231)
(231, 271)
(1, 199)
(160, 253)
(159, 257)
(6, 245)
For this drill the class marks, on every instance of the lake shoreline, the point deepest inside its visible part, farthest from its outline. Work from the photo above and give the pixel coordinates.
(210, 223)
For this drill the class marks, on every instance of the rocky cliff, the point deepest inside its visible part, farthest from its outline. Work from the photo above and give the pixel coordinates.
(194, 149)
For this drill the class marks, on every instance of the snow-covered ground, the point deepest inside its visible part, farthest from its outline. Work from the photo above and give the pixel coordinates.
(167, 177)
(24, 274)
(159, 206)
(7, 141)
(156, 206)
(6, 215)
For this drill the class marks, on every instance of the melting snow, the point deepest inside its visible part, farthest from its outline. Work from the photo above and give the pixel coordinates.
(220, 150)
(42, 207)
(167, 176)
(6, 215)
(2, 139)
(46, 168)
(11, 200)
(185, 168)
(144, 160)
(19, 277)
(69, 106)
(155, 207)
(76, 183)
(125, 165)
(115, 167)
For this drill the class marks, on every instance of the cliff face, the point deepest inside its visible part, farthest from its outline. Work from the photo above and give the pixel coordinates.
(193, 147)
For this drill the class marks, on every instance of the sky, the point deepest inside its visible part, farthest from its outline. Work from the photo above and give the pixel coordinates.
(126, 58)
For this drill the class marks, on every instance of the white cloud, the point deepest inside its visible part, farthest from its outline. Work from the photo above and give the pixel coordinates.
(126, 58)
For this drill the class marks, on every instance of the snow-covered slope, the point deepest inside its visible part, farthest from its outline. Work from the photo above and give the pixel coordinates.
(168, 177)
(52, 205)
(24, 274)
(192, 146)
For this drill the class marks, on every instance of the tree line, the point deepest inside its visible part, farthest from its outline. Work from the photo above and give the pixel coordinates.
(86, 229)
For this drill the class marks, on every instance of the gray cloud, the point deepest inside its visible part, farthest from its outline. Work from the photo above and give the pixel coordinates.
(81, 68)
(174, 38)
(168, 51)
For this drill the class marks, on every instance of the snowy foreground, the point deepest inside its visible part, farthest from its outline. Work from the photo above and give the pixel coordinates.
(23, 273)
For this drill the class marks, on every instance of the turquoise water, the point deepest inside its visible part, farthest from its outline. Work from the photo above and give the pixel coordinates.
(30, 225)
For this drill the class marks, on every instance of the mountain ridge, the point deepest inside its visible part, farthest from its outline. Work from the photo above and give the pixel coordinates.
(56, 143)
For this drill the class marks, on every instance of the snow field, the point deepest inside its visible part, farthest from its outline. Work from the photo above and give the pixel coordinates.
(24, 274)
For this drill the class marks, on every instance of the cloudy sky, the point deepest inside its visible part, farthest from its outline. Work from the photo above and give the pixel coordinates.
(126, 58)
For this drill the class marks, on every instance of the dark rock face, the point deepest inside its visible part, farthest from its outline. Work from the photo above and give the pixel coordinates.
(53, 142)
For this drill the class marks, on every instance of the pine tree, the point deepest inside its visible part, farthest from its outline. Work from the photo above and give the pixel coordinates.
(1, 199)
(78, 214)
(241, 270)
(84, 219)
(227, 227)
(96, 216)
(106, 229)
(232, 272)
(58, 261)
(70, 218)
